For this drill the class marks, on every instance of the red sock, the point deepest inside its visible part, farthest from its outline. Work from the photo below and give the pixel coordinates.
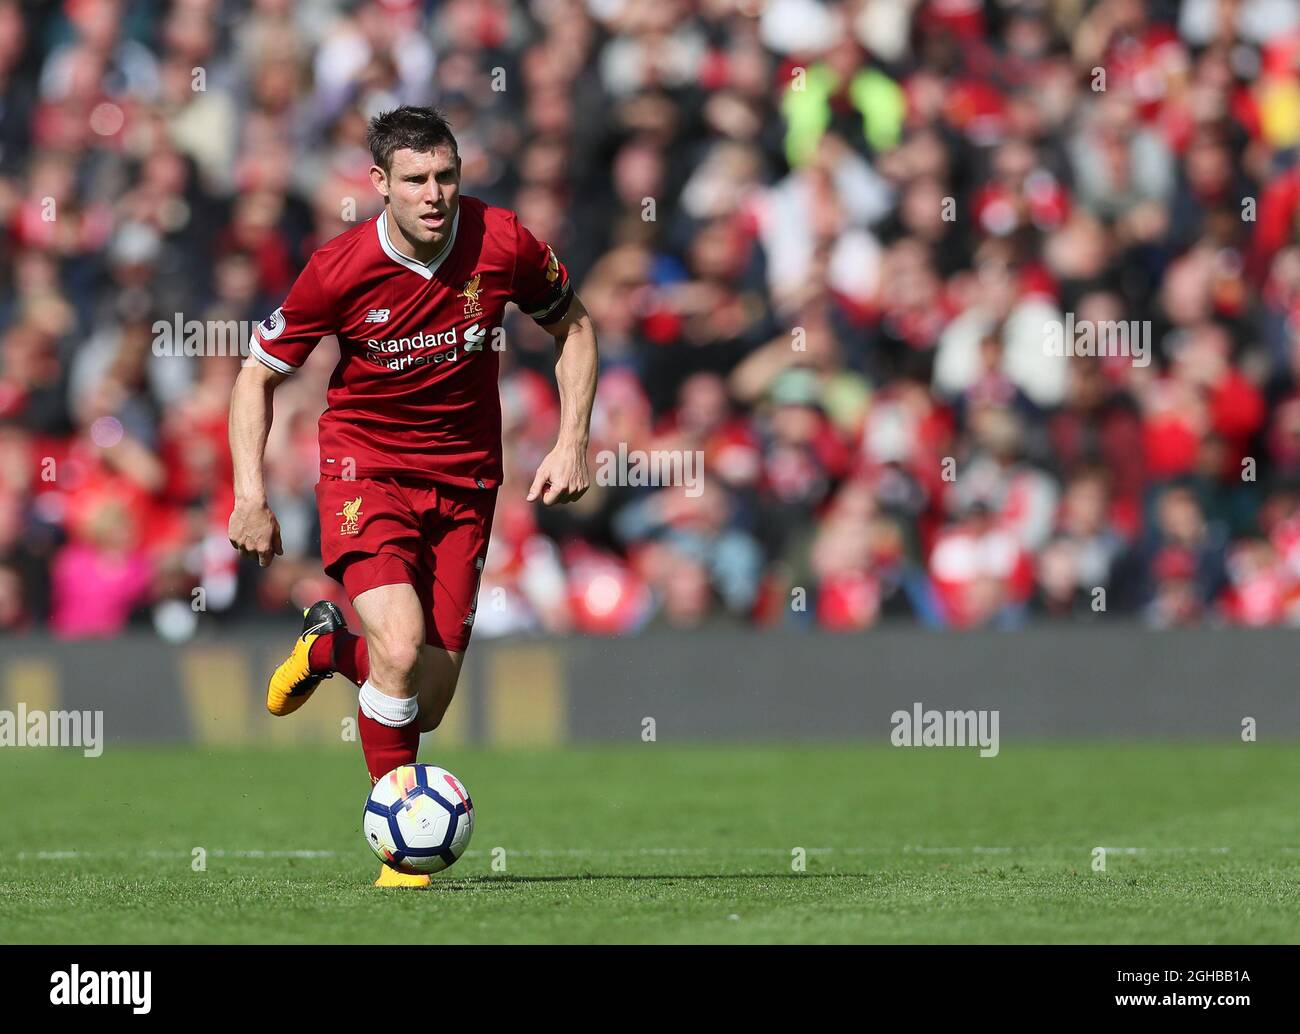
(343, 652)
(387, 748)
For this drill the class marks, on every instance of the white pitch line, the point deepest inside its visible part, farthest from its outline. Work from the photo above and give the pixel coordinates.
(649, 852)
(46, 856)
(1170, 850)
(219, 853)
(918, 849)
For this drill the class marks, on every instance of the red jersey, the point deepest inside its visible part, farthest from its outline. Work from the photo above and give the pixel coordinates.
(415, 390)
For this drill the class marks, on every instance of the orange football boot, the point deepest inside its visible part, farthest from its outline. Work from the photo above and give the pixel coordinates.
(295, 679)
(389, 877)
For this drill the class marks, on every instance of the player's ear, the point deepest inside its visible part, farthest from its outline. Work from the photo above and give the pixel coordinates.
(380, 180)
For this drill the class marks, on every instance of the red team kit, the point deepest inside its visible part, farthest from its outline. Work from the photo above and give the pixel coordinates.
(410, 444)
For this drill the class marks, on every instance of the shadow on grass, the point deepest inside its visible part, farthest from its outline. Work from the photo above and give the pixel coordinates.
(479, 882)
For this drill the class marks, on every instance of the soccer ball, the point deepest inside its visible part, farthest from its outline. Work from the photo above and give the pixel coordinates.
(418, 819)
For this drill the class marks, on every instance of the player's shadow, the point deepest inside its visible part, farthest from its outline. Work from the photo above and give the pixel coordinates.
(480, 882)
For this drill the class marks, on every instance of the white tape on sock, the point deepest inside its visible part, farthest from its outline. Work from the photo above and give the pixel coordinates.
(391, 711)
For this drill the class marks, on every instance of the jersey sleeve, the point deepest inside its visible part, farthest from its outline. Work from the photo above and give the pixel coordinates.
(285, 338)
(541, 285)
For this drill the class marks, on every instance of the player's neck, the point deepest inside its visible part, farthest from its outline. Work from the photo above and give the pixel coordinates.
(405, 246)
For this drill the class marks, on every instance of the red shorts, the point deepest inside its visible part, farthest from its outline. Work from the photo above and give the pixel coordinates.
(434, 537)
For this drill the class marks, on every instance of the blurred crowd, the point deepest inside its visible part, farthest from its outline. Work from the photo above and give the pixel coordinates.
(820, 242)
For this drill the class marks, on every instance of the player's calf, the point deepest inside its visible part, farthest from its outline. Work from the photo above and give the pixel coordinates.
(439, 671)
(388, 706)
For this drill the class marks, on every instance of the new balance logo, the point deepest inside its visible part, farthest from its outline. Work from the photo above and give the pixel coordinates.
(377, 316)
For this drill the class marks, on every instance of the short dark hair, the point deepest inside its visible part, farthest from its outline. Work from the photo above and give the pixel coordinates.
(420, 129)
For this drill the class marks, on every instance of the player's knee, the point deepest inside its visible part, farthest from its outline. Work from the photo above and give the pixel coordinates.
(394, 659)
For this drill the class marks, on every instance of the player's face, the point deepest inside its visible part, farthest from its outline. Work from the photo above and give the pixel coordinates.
(423, 189)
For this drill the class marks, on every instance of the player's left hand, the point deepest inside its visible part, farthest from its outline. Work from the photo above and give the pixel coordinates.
(562, 476)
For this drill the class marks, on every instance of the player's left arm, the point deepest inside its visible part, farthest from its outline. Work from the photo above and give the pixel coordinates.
(563, 475)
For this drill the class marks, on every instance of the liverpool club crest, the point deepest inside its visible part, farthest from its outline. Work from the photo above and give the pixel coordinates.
(351, 514)
(470, 294)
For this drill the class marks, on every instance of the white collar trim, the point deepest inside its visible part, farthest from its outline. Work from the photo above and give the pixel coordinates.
(426, 271)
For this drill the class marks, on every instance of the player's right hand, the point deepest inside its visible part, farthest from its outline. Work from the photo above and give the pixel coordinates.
(254, 531)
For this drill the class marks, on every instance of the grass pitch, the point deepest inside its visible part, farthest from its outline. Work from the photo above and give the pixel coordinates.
(658, 843)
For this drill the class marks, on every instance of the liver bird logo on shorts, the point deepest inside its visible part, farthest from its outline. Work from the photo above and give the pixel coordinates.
(470, 294)
(350, 513)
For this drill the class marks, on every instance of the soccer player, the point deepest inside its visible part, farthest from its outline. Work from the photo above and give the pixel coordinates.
(410, 441)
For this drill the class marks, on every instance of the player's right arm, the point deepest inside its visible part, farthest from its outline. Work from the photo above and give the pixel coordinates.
(278, 347)
(253, 530)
